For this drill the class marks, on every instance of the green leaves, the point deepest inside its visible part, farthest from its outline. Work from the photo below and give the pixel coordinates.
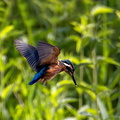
(5, 31)
(101, 10)
(87, 33)
(7, 90)
(103, 109)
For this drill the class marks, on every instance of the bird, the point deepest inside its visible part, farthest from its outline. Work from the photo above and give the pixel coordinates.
(44, 60)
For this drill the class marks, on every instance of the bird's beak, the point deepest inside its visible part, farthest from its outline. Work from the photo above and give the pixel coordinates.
(74, 79)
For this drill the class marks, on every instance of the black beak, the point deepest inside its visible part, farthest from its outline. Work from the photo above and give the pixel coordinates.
(74, 79)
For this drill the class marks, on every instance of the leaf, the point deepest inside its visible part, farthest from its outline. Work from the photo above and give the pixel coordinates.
(88, 114)
(84, 20)
(102, 60)
(71, 109)
(6, 91)
(83, 87)
(6, 30)
(103, 109)
(78, 27)
(3, 59)
(101, 88)
(118, 13)
(64, 82)
(115, 96)
(101, 9)
(84, 62)
(78, 42)
(114, 78)
(69, 100)
(81, 64)
(70, 118)
(56, 92)
(92, 111)
(85, 41)
(75, 60)
(91, 94)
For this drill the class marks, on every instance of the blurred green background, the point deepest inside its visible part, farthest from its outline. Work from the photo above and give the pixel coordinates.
(88, 33)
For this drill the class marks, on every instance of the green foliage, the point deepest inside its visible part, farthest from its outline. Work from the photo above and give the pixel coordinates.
(87, 31)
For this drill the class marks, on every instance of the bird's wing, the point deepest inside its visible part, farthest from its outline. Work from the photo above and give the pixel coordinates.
(29, 52)
(48, 54)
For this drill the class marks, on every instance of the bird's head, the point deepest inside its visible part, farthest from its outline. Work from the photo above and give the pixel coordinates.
(69, 69)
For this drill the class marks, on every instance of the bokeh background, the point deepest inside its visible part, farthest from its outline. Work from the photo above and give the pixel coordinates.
(88, 33)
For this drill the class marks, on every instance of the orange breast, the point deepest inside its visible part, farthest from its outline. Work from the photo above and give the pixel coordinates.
(52, 72)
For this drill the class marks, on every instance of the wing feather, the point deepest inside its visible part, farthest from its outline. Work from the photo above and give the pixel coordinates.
(48, 54)
(29, 52)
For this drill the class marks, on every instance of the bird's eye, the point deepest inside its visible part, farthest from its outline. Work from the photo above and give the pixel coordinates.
(70, 69)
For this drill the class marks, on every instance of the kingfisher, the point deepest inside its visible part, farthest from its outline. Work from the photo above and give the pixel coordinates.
(44, 60)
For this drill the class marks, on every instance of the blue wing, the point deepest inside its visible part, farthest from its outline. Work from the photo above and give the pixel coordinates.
(29, 52)
(38, 75)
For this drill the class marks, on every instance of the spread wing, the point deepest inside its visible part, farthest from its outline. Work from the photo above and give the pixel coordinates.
(48, 54)
(29, 52)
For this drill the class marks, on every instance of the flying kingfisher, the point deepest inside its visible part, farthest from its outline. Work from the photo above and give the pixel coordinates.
(44, 60)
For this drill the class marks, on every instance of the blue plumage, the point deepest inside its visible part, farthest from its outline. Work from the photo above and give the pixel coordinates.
(29, 52)
(38, 75)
